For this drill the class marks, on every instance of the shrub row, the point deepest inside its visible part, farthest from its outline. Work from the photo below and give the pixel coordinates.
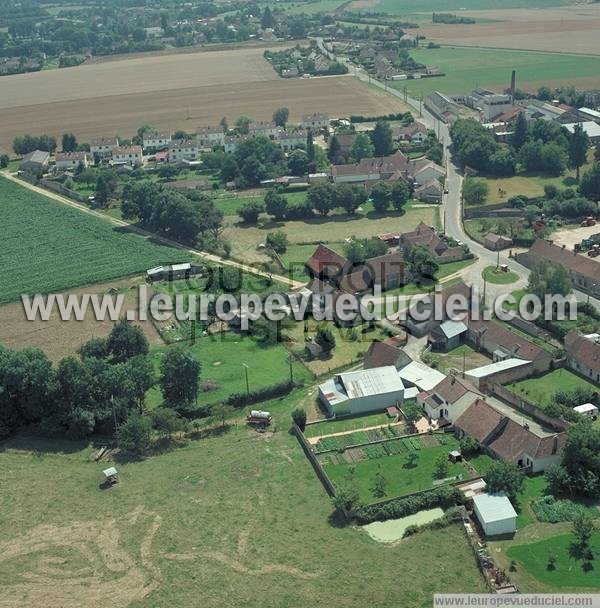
(451, 516)
(443, 497)
(239, 400)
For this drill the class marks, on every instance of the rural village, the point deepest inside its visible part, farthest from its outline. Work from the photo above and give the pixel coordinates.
(412, 156)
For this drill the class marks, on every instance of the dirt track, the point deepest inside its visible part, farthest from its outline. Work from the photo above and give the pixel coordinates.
(171, 92)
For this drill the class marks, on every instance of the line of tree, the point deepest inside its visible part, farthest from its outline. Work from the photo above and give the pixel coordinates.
(191, 218)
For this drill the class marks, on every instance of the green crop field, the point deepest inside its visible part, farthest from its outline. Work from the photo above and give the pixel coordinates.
(48, 246)
(394, 7)
(230, 519)
(467, 68)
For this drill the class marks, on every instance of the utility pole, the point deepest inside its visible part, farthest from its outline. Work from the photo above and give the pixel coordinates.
(484, 291)
(247, 382)
(498, 261)
(421, 105)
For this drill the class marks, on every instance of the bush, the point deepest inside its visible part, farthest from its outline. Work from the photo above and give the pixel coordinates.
(551, 510)
(239, 400)
(299, 417)
(444, 497)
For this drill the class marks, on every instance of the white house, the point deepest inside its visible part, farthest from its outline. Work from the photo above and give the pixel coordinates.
(71, 160)
(182, 150)
(209, 137)
(448, 399)
(233, 141)
(128, 155)
(155, 140)
(266, 128)
(367, 390)
(495, 513)
(318, 120)
(288, 140)
(102, 147)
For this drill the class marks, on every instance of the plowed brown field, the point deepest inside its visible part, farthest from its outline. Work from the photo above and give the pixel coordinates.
(171, 92)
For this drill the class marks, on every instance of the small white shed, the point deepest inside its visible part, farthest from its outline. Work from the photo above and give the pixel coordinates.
(495, 514)
(587, 409)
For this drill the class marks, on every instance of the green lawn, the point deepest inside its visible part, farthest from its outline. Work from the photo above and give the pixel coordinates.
(50, 247)
(237, 519)
(223, 357)
(568, 573)
(401, 478)
(533, 489)
(540, 390)
(492, 275)
(469, 68)
(346, 424)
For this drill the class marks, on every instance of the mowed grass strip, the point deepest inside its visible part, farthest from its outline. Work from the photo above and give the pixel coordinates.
(48, 246)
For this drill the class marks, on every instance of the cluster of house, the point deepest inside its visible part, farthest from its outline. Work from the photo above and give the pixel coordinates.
(332, 274)
(422, 174)
(467, 402)
(162, 147)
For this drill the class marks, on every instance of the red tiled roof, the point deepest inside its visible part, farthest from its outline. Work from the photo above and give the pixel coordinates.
(572, 261)
(381, 355)
(326, 260)
(509, 340)
(452, 388)
(582, 350)
(479, 420)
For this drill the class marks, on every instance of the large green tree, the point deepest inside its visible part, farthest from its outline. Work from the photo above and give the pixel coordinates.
(578, 147)
(179, 377)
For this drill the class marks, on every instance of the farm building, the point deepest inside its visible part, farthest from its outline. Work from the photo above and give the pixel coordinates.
(381, 354)
(447, 336)
(369, 390)
(590, 128)
(35, 162)
(497, 242)
(173, 272)
(584, 271)
(495, 513)
(501, 343)
(500, 372)
(72, 160)
(420, 375)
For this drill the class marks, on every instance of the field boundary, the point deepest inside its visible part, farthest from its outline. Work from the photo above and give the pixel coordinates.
(314, 461)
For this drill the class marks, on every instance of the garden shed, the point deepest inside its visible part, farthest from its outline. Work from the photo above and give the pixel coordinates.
(495, 513)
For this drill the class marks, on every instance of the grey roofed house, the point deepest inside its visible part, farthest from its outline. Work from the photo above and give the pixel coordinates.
(35, 161)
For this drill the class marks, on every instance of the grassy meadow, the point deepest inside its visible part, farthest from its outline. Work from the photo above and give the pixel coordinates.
(230, 519)
(49, 247)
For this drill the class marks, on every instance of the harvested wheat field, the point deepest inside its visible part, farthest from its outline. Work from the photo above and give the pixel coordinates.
(171, 92)
(58, 338)
(561, 30)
